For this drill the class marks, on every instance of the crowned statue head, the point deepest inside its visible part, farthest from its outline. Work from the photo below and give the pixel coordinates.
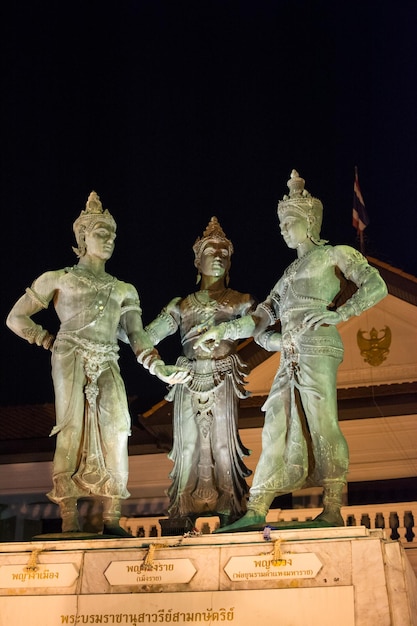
(88, 218)
(213, 233)
(301, 202)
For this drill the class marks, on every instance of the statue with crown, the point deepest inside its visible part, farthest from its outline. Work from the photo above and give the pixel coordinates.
(208, 477)
(95, 310)
(302, 444)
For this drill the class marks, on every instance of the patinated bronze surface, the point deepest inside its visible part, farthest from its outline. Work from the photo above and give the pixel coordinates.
(208, 475)
(92, 417)
(302, 444)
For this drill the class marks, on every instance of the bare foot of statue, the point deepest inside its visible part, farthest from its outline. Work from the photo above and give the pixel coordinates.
(227, 520)
(115, 530)
(70, 524)
(71, 528)
(329, 517)
(250, 519)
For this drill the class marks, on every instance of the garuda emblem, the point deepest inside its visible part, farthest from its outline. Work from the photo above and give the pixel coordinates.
(375, 347)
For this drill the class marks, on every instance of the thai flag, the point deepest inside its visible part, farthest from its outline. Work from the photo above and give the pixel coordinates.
(360, 219)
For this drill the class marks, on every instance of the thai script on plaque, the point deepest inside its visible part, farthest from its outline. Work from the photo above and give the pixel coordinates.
(162, 616)
(54, 575)
(302, 573)
(159, 571)
(289, 565)
(24, 576)
(273, 562)
(157, 567)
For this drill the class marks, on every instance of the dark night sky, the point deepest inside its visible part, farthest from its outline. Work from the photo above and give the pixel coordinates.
(176, 111)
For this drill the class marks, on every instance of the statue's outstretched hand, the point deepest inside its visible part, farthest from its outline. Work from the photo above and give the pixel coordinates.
(172, 374)
(210, 339)
(314, 320)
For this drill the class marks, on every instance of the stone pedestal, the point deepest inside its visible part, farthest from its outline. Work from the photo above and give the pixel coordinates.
(320, 577)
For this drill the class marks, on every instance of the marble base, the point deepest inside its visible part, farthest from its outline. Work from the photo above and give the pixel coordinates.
(317, 576)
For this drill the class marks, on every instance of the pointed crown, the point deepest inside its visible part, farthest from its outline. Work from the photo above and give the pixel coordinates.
(92, 214)
(300, 201)
(88, 218)
(213, 232)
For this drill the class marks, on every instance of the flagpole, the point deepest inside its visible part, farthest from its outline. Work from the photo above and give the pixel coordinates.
(360, 218)
(359, 230)
(361, 242)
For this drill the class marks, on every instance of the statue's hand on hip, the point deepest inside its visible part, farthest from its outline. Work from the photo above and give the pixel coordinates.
(314, 320)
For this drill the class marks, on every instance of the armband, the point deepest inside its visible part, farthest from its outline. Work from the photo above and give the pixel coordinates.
(130, 307)
(162, 326)
(270, 340)
(273, 311)
(37, 298)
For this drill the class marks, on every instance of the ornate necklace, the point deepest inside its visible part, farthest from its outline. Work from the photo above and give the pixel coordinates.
(88, 278)
(293, 267)
(207, 301)
(204, 308)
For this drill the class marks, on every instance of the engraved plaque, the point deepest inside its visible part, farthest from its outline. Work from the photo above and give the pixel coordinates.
(265, 567)
(161, 571)
(45, 575)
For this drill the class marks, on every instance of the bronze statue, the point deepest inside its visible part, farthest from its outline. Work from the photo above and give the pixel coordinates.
(302, 444)
(208, 476)
(92, 415)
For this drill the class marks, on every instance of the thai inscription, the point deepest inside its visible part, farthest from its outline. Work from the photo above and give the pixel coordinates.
(159, 572)
(297, 606)
(161, 616)
(266, 567)
(51, 575)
